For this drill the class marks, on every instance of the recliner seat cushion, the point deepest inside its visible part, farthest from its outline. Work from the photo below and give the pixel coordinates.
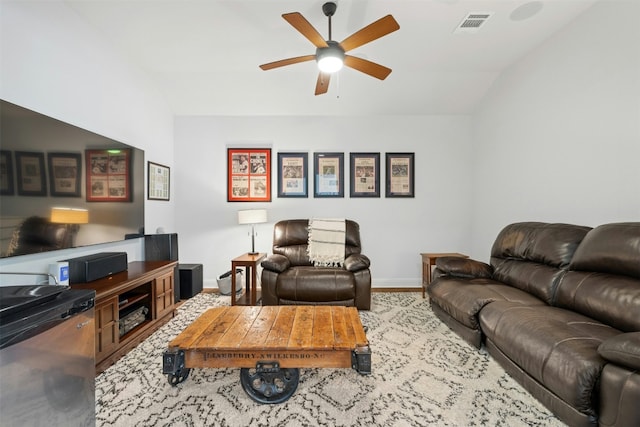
(316, 284)
(556, 347)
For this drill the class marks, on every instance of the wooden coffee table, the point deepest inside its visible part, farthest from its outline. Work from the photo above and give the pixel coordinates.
(270, 344)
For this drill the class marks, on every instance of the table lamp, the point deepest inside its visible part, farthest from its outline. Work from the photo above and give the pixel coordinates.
(252, 216)
(72, 218)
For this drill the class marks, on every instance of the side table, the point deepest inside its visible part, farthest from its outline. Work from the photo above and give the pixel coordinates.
(250, 263)
(428, 261)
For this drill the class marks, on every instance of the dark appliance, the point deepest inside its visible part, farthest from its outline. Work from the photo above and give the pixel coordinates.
(93, 267)
(190, 280)
(47, 356)
(164, 247)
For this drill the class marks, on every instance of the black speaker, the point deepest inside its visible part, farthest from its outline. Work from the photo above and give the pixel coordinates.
(93, 267)
(164, 247)
(190, 280)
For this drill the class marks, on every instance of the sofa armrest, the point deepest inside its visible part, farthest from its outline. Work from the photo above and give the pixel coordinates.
(623, 350)
(356, 262)
(276, 262)
(463, 267)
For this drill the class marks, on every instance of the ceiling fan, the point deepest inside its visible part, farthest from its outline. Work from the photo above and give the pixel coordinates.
(330, 54)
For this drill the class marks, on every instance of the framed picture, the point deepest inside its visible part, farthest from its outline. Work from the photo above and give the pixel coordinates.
(108, 175)
(6, 173)
(293, 175)
(249, 174)
(400, 175)
(65, 171)
(31, 174)
(328, 172)
(158, 180)
(364, 174)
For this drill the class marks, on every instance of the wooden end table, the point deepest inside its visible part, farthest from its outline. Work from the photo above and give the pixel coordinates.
(250, 263)
(428, 261)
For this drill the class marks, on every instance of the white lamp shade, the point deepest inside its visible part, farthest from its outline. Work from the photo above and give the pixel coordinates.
(330, 64)
(331, 58)
(252, 216)
(69, 216)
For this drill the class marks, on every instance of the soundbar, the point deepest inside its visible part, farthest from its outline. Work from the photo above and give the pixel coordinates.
(93, 267)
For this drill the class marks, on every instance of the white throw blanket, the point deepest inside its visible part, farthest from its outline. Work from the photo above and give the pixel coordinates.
(326, 242)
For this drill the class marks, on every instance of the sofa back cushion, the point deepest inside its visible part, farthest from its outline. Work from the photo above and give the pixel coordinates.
(291, 239)
(532, 256)
(604, 278)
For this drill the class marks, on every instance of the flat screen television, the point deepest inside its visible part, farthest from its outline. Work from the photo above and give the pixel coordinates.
(62, 186)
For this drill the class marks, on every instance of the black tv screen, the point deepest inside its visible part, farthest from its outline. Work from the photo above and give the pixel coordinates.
(62, 186)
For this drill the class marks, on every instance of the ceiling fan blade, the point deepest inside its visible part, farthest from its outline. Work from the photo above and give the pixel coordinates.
(371, 68)
(322, 85)
(371, 32)
(305, 28)
(288, 61)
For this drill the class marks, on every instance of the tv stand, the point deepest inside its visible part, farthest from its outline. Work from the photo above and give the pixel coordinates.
(130, 306)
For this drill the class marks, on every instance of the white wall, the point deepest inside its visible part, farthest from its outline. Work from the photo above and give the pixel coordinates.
(53, 63)
(393, 231)
(558, 137)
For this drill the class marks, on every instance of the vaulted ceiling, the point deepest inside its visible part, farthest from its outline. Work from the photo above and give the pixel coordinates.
(204, 55)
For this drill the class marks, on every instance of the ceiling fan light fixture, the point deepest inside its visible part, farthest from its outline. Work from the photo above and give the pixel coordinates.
(330, 59)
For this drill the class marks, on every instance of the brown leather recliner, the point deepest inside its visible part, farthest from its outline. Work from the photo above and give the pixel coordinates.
(36, 234)
(289, 277)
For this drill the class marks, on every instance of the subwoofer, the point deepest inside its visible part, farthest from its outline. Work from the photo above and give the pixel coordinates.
(190, 280)
(164, 247)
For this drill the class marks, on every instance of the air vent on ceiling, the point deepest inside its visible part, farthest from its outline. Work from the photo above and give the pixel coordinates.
(472, 22)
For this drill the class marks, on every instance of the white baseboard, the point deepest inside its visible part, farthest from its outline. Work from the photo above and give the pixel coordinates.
(375, 283)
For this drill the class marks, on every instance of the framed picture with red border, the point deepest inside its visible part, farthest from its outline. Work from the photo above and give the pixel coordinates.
(108, 175)
(248, 174)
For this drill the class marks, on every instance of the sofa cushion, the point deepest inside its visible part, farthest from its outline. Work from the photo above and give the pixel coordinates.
(610, 248)
(614, 300)
(532, 255)
(556, 347)
(604, 281)
(463, 298)
(536, 279)
(539, 242)
(316, 284)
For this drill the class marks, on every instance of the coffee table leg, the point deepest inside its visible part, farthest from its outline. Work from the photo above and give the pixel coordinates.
(173, 366)
(267, 383)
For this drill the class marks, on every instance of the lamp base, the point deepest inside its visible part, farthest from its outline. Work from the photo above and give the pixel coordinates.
(253, 253)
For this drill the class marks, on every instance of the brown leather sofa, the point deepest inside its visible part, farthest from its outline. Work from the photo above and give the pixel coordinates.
(288, 277)
(559, 308)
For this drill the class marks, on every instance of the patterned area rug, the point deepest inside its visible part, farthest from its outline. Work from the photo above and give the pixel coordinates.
(422, 374)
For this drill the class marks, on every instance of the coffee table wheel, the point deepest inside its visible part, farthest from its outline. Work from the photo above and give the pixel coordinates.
(178, 377)
(275, 386)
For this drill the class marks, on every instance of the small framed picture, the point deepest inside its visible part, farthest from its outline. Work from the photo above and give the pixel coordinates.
(364, 174)
(400, 175)
(249, 174)
(108, 175)
(293, 175)
(158, 181)
(328, 180)
(6, 173)
(32, 180)
(65, 171)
